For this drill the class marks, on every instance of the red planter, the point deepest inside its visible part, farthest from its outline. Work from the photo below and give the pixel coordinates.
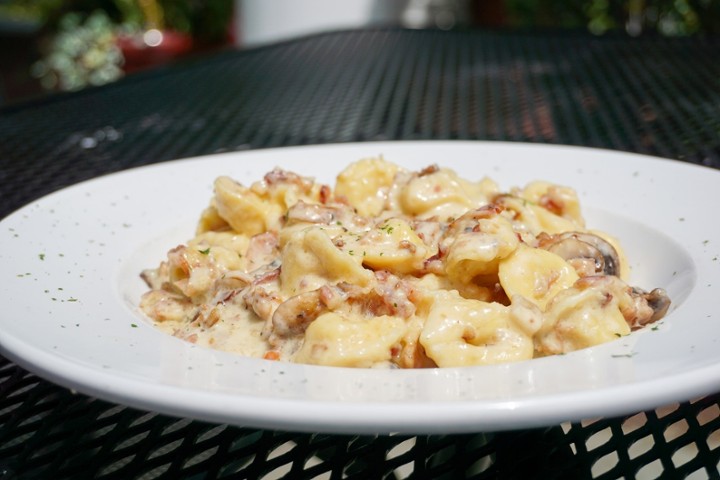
(154, 47)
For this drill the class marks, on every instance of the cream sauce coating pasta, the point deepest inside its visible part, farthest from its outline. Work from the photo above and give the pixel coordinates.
(392, 268)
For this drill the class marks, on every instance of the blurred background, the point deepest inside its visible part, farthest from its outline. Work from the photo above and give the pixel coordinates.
(49, 46)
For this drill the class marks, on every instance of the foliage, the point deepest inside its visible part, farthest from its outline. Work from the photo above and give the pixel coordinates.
(82, 52)
(664, 17)
(78, 39)
(206, 21)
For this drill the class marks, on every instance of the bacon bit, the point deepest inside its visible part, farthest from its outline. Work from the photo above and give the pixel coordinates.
(263, 243)
(192, 338)
(339, 242)
(327, 295)
(267, 276)
(407, 245)
(543, 286)
(278, 175)
(272, 355)
(178, 262)
(434, 264)
(428, 170)
(485, 212)
(591, 281)
(606, 301)
(325, 193)
(489, 210)
(382, 275)
(433, 258)
(230, 295)
(551, 204)
(414, 295)
(377, 305)
(261, 302)
(211, 319)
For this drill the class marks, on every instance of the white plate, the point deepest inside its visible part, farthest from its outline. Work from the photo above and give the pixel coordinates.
(69, 289)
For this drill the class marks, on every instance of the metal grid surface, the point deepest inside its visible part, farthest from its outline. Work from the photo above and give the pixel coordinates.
(652, 96)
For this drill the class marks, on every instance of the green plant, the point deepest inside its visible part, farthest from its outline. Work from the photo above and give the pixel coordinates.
(79, 36)
(664, 17)
(82, 52)
(206, 21)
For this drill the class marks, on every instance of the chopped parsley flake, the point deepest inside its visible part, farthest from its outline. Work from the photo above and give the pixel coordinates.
(41, 256)
(205, 252)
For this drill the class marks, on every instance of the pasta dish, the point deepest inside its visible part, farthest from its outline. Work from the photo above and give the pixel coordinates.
(396, 268)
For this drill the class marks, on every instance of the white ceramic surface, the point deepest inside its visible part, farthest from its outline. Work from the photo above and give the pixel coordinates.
(69, 287)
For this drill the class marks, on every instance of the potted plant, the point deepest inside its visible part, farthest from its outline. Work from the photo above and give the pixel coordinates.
(88, 42)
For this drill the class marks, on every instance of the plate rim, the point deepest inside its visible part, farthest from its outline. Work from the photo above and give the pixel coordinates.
(385, 410)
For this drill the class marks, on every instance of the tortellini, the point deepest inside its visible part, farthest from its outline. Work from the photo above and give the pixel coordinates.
(395, 268)
(394, 246)
(535, 274)
(334, 339)
(311, 260)
(460, 332)
(366, 184)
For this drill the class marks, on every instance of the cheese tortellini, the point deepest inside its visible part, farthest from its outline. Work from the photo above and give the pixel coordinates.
(394, 268)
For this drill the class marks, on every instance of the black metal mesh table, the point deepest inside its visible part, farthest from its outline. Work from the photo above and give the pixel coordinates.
(649, 95)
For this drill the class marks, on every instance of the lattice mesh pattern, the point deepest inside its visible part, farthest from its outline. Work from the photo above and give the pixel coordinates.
(647, 95)
(47, 432)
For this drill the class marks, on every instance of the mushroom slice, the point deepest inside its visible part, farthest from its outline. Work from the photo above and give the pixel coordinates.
(294, 315)
(580, 248)
(649, 307)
